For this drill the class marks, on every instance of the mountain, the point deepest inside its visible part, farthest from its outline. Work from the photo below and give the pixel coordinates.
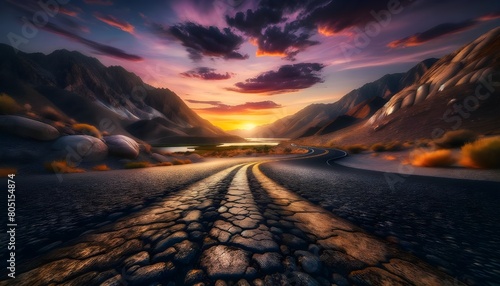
(354, 106)
(460, 91)
(76, 87)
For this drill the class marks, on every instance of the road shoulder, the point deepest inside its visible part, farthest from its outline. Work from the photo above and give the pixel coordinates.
(393, 162)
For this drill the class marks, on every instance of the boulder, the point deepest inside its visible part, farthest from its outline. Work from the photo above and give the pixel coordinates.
(81, 148)
(160, 158)
(122, 146)
(422, 93)
(28, 128)
(408, 100)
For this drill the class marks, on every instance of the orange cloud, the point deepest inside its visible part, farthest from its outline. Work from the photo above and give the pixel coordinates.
(68, 12)
(325, 31)
(115, 22)
(261, 53)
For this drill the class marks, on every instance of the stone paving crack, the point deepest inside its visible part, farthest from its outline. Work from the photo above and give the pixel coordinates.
(347, 249)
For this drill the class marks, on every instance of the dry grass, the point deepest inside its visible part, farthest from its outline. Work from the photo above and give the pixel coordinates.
(62, 167)
(145, 147)
(163, 164)
(378, 147)
(456, 138)
(102, 167)
(137, 165)
(389, 158)
(248, 151)
(483, 153)
(9, 105)
(87, 129)
(181, 162)
(51, 114)
(354, 149)
(4, 172)
(437, 158)
(391, 146)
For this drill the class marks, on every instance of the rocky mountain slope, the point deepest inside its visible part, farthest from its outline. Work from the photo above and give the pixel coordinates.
(354, 106)
(460, 91)
(69, 85)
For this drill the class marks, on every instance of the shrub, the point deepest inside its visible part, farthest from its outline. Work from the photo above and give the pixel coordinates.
(263, 149)
(457, 138)
(483, 153)
(102, 167)
(62, 167)
(145, 147)
(4, 172)
(437, 158)
(394, 146)
(355, 149)
(181, 162)
(8, 105)
(137, 165)
(378, 147)
(87, 129)
(51, 114)
(162, 164)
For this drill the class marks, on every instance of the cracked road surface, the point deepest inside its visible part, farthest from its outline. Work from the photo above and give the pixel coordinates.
(235, 227)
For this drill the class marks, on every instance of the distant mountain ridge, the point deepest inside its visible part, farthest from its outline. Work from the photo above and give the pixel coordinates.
(82, 88)
(324, 118)
(460, 91)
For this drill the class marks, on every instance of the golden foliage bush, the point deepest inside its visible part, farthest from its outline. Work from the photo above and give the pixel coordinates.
(61, 167)
(354, 149)
(87, 129)
(4, 172)
(437, 158)
(102, 167)
(456, 138)
(9, 105)
(137, 165)
(483, 153)
(163, 164)
(181, 162)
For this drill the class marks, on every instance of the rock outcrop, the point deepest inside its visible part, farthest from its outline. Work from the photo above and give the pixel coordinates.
(471, 64)
(28, 128)
(78, 148)
(122, 146)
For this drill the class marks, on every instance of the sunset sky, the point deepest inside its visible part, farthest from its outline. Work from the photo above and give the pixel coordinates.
(241, 63)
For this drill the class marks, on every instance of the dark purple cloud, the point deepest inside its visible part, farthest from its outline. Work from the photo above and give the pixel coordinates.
(99, 2)
(97, 47)
(286, 43)
(436, 32)
(252, 22)
(218, 107)
(206, 41)
(337, 16)
(441, 31)
(287, 78)
(206, 74)
(285, 28)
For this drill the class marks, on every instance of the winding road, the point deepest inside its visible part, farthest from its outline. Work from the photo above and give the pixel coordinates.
(256, 221)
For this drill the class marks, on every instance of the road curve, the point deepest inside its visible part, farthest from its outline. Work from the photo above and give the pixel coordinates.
(234, 226)
(450, 223)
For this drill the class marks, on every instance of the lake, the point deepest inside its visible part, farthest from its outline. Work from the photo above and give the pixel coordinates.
(250, 142)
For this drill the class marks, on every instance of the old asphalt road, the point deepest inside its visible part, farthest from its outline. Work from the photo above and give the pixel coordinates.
(236, 226)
